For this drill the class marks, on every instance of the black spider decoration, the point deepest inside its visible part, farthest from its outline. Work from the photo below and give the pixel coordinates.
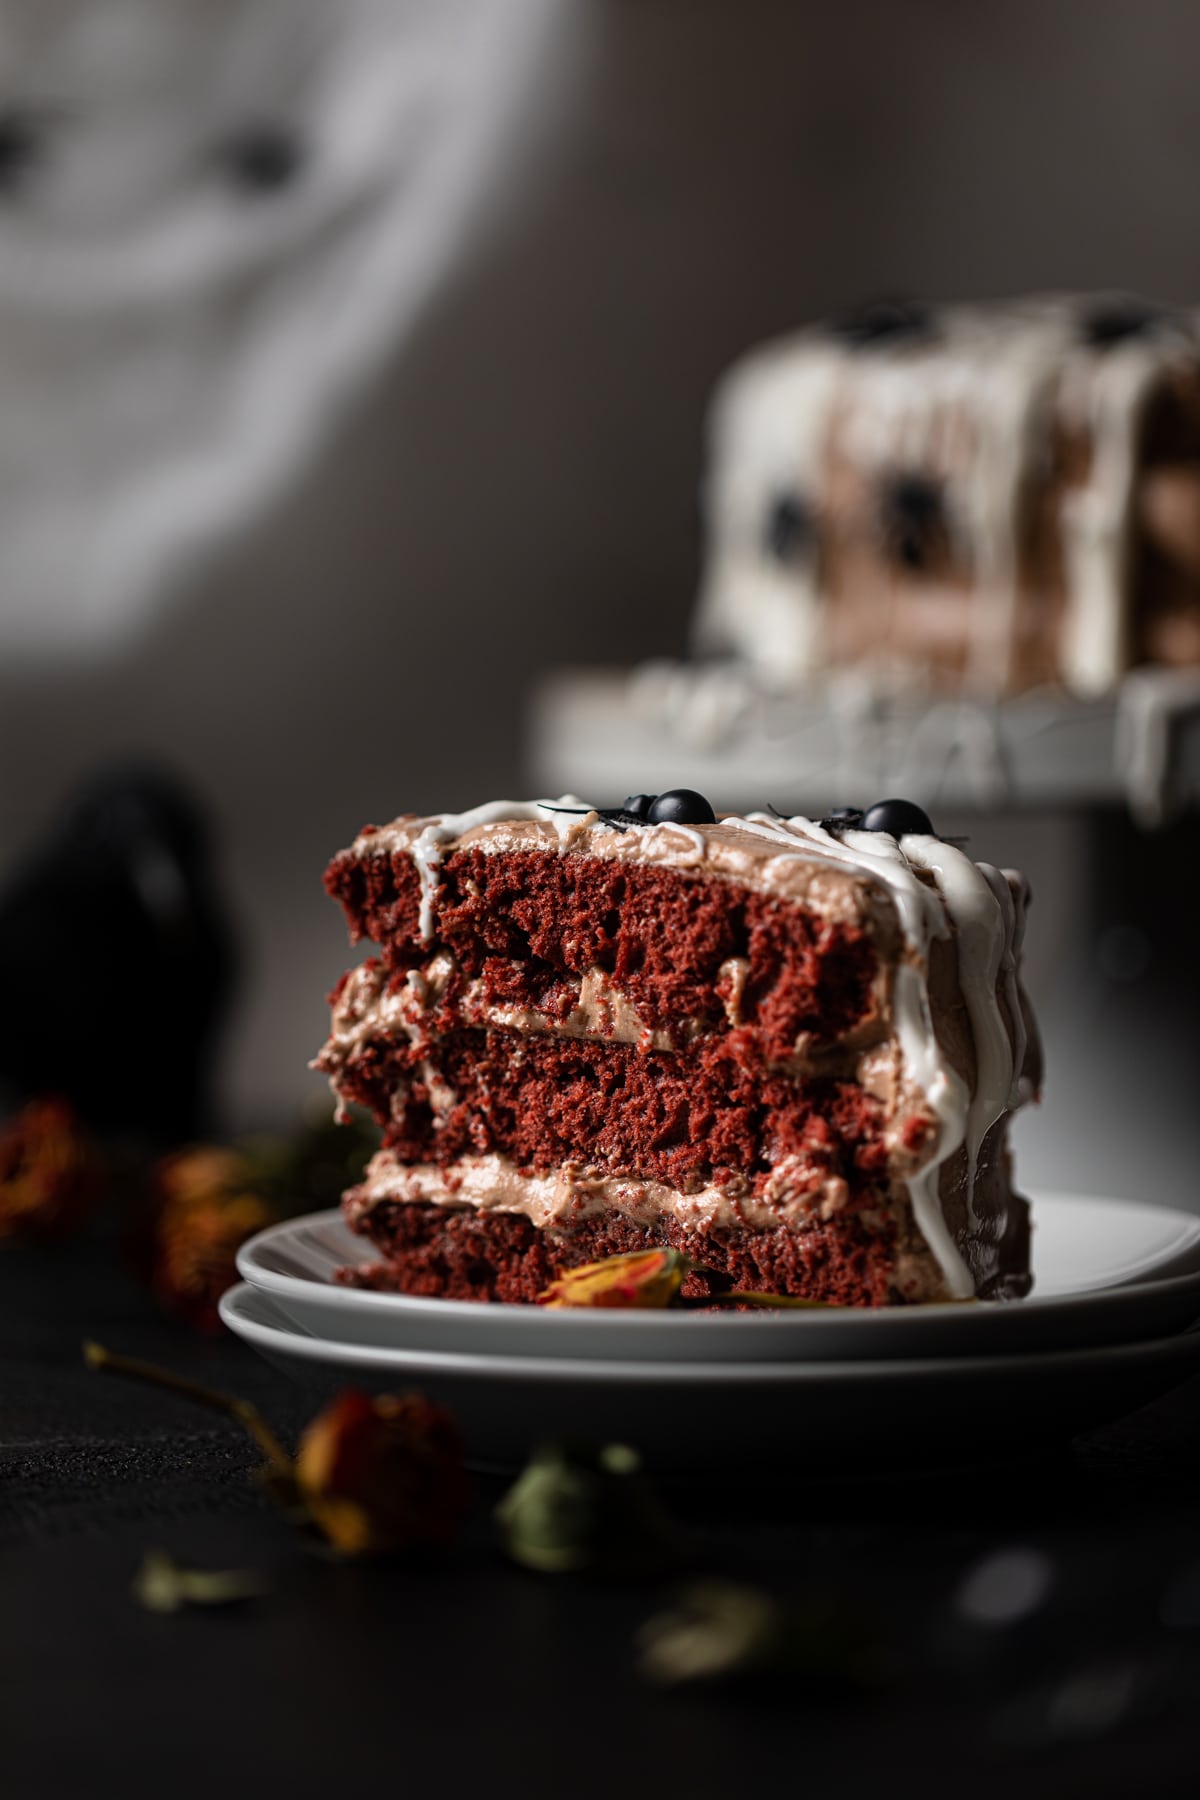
(1115, 321)
(882, 322)
(913, 521)
(264, 159)
(675, 806)
(789, 528)
(842, 818)
(899, 818)
(22, 137)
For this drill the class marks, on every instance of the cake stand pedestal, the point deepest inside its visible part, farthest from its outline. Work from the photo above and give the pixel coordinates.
(605, 733)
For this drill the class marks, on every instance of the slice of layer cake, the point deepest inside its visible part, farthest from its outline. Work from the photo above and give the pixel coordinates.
(788, 1049)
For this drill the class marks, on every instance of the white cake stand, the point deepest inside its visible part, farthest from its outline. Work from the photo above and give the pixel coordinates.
(713, 726)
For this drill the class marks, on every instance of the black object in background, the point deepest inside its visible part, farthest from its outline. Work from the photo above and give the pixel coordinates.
(117, 961)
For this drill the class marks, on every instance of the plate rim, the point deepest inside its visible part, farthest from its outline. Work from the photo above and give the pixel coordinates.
(324, 1293)
(492, 1367)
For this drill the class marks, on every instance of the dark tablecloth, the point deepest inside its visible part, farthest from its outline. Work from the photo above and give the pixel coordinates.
(462, 1673)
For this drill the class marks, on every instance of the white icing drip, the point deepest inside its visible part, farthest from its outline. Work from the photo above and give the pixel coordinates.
(769, 433)
(985, 931)
(1105, 393)
(943, 1088)
(921, 916)
(922, 919)
(982, 937)
(688, 833)
(1015, 388)
(426, 850)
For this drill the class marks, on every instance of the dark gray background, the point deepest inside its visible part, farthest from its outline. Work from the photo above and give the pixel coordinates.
(519, 490)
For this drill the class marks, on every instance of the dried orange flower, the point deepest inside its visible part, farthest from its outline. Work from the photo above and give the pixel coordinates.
(382, 1474)
(645, 1278)
(49, 1171)
(208, 1207)
(202, 1170)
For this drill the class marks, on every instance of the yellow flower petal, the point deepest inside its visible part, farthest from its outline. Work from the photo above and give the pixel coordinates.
(643, 1279)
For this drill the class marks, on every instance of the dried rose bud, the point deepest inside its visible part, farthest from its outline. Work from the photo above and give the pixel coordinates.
(383, 1474)
(50, 1171)
(370, 1475)
(646, 1278)
(208, 1207)
(200, 1171)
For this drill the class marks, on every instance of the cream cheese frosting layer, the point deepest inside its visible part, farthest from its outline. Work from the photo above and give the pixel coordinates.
(920, 894)
(735, 849)
(565, 1197)
(375, 1007)
(492, 1183)
(373, 1004)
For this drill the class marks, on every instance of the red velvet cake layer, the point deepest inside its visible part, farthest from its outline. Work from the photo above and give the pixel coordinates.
(544, 1101)
(461, 1254)
(530, 925)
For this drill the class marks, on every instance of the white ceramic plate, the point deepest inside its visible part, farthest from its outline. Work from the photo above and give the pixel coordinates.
(727, 1415)
(1106, 1271)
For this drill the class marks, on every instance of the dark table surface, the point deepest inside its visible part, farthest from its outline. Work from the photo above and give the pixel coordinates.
(461, 1673)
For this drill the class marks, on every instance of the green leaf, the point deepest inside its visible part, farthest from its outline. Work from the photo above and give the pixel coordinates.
(576, 1508)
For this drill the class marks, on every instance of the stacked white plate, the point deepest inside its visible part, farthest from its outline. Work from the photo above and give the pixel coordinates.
(1108, 1328)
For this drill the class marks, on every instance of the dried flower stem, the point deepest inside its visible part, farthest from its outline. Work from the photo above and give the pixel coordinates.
(248, 1416)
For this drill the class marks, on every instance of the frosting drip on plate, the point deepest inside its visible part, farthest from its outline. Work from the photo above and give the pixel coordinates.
(964, 896)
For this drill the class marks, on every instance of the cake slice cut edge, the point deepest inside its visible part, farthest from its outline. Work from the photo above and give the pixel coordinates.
(791, 1052)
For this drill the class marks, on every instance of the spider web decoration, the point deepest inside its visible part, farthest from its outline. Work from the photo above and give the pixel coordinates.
(216, 218)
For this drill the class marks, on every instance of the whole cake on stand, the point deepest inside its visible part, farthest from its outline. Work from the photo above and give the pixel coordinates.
(955, 553)
(955, 547)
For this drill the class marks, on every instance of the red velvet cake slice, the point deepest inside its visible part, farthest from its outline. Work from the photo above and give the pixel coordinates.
(788, 1049)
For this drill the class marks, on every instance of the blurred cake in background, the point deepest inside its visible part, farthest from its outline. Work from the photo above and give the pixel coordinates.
(954, 550)
(987, 498)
